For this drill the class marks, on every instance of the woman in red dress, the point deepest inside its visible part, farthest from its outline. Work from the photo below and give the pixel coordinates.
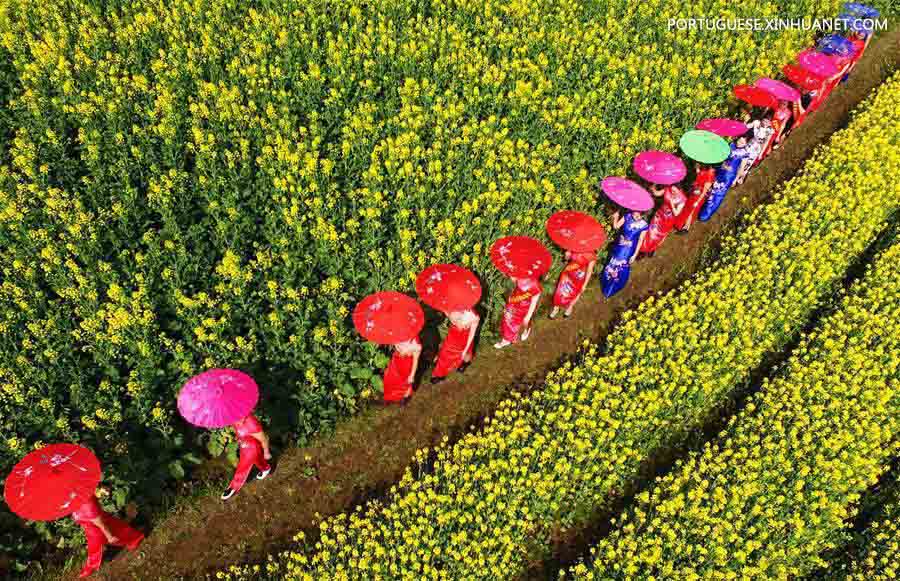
(572, 281)
(101, 529)
(456, 351)
(673, 200)
(780, 120)
(706, 175)
(520, 308)
(254, 451)
(401, 371)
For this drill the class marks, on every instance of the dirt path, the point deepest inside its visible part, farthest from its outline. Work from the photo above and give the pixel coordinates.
(368, 453)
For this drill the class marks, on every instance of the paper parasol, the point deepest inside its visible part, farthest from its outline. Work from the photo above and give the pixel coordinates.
(755, 96)
(835, 44)
(802, 77)
(576, 231)
(724, 127)
(778, 89)
(521, 257)
(448, 287)
(217, 398)
(388, 317)
(627, 193)
(659, 167)
(52, 482)
(859, 10)
(704, 146)
(817, 63)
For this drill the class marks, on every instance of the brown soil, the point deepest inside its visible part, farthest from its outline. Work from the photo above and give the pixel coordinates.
(369, 452)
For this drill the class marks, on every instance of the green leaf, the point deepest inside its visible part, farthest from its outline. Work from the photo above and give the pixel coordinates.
(347, 389)
(360, 373)
(176, 470)
(381, 360)
(378, 383)
(215, 448)
(192, 459)
(120, 496)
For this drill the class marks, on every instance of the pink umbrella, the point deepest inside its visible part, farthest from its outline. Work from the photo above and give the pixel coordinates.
(659, 167)
(778, 89)
(817, 63)
(627, 194)
(723, 127)
(217, 398)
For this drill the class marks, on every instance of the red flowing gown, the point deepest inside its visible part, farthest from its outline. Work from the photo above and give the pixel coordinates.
(517, 307)
(96, 540)
(573, 278)
(251, 451)
(397, 385)
(453, 350)
(705, 177)
(664, 219)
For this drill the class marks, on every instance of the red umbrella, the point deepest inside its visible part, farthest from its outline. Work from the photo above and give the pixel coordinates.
(388, 317)
(52, 482)
(576, 231)
(802, 77)
(755, 96)
(521, 257)
(448, 287)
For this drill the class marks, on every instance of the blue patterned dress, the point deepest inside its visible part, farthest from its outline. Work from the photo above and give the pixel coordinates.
(725, 176)
(615, 276)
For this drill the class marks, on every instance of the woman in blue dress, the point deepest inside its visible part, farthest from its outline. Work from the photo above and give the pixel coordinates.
(615, 275)
(726, 174)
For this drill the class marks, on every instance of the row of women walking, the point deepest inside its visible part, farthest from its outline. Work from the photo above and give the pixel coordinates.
(61, 480)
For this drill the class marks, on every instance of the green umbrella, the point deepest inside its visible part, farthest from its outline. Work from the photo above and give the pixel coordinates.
(704, 146)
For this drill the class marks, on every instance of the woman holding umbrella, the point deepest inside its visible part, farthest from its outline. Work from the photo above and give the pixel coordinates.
(763, 130)
(392, 318)
(218, 398)
(727, 172)
(663, 170)
(781, 118)
(525, 260)
(59, 480)
(454, 291)
(580, 235)
(809, 85)
(632, 230)
(706, 149)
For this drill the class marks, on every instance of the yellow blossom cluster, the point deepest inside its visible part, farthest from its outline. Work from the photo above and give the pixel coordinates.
(478, 509)
(768, 497)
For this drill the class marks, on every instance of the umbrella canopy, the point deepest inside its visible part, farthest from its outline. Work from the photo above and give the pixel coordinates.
(52, 482)
(521, 257)
(576, 231)
(217, 398)
(704, 146)
(859, 10)
(659, 167)
(627, 194)
(778, 89)
(448, 287)
(817, 63)
(755, 96)
(388, 317)
(724, 127)
(835, 44)
(802, 77)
